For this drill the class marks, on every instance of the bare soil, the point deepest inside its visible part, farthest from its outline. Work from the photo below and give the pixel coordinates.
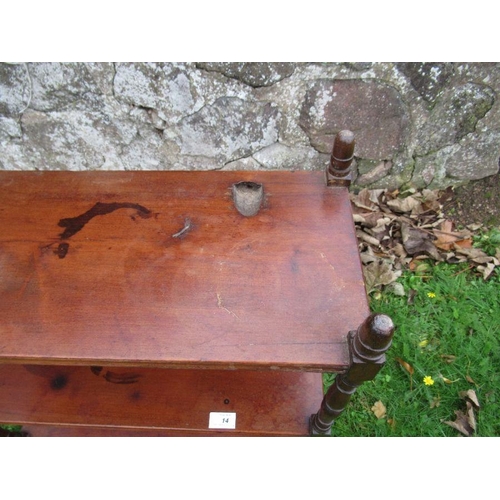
(478, 202)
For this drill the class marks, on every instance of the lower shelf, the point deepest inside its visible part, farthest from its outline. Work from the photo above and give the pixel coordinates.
(109, 401)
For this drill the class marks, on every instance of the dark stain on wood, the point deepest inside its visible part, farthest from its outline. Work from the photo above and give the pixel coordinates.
(294, 264)
(62, 250)
(75, 224)
(135, 396)
(114, 377)
(96, 370)
(58, 382)
(121, 378)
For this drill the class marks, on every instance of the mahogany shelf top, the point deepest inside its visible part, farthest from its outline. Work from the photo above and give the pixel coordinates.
(159, 269)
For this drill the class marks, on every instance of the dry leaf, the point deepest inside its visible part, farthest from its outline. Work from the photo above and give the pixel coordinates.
(435, 402)
(447, 380)
(486, 270)
(391, 422)
(368, 256)
(462, 423)
(446, 238)
(470, 380)
(411, 297)
(420, 267)
(475, 254)
(399, 250)
(401, 230)
(406, 366)
(379, 273)
(396, 289)
(379, 409)
(448, 358)
(470, 395)
(466, 422)
(361, 235)
(366, 199)
(464, 243)
(405, 205)
(471, 417)
(418, 242)
(371, 219)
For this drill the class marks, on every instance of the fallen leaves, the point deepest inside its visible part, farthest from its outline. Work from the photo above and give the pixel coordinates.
(470, 396)
(379, 272)
(397, 232)
(465, 422)
(446, 238)
(448, 358)
(447, 380)
(379, 409)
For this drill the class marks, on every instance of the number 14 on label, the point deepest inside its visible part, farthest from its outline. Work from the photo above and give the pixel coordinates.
(220, 420)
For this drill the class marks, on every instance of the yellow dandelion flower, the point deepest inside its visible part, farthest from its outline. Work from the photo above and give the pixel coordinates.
(428, 380)
(431, 295)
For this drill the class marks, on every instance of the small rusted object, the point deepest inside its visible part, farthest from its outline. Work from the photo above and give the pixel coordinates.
(338, 172)
(248, 197)
(367, 347)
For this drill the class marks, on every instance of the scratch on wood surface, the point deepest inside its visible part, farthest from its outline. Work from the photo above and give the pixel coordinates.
(323, 256)
(221, 305)
(28, 279)
(185, 229)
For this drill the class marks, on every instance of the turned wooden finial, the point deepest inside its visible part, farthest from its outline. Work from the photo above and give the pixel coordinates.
(373, 337)
(338, 172)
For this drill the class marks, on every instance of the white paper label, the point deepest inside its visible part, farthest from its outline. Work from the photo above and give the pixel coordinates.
(220, 420)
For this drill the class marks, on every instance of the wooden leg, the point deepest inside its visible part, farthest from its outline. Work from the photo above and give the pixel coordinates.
(367, 347)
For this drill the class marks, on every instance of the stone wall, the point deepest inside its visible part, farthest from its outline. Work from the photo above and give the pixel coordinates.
(425, 124)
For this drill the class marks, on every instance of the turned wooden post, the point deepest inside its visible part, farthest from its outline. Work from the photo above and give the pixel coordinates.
(367, 347)
(338, 172)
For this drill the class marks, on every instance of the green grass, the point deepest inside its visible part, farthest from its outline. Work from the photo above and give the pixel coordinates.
(453, 335)
(10, 430)
(488, 241)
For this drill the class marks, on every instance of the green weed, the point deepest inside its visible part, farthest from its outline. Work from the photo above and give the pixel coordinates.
(488, 241)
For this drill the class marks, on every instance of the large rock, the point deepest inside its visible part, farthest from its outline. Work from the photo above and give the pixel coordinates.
(72, 140)
(280, 156)
(59, 86)
(428, 79)
(456, 114)
(15, 89)
(163, 87)
(373, 110)
(228, 130)
(255, 74)
(475, 157)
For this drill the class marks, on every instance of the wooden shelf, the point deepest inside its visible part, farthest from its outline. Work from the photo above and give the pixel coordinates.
(69, 400)
(94, 271)
(137, 303)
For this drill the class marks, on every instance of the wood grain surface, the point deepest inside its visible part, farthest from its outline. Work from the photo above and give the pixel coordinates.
(158, 269)
(108, 401)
